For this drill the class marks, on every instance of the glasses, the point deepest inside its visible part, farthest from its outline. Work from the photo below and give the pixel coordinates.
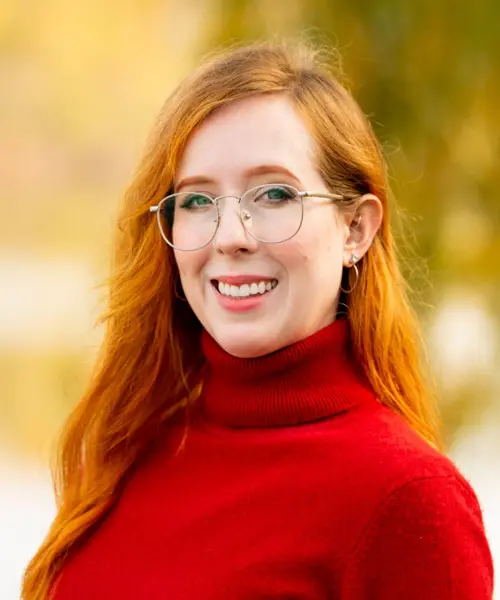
(271, 213)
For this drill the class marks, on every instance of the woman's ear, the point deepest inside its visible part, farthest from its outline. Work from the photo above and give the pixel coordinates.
(362, 224)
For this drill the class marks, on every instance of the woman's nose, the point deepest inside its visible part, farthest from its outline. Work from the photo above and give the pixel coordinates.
(231, 234)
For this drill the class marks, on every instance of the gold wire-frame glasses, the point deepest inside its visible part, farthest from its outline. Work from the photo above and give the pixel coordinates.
(271, 213)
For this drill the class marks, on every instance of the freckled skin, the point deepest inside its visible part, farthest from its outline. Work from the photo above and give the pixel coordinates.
(248, 133)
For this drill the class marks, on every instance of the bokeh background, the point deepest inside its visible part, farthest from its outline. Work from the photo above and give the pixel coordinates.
(81, 83)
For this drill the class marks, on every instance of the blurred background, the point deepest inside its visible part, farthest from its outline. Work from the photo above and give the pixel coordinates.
(81, 84)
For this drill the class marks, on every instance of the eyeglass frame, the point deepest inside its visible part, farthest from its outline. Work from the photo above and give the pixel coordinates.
(333, 197)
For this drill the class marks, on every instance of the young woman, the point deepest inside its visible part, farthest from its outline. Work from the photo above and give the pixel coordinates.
(258, 424)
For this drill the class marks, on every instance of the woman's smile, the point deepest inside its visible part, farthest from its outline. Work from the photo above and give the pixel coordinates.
(244, 297)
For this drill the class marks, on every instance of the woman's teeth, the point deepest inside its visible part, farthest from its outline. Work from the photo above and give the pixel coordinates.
(245, 290)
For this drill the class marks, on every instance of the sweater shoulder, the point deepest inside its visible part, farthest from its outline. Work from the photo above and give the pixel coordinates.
(388, 464)
(389, 448)
(380, 456)
(430, 528)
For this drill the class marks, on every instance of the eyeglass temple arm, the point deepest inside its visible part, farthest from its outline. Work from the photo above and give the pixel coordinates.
(321, 195)
(153, 208)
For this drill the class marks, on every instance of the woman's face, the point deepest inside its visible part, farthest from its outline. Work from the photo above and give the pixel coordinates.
(251, 142)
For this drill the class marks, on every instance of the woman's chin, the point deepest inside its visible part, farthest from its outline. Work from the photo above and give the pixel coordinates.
(246, 342)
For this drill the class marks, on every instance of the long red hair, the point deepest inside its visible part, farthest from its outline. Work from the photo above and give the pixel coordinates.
(149, 365)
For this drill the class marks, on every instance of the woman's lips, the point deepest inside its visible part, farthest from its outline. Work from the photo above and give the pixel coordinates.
(242, 303)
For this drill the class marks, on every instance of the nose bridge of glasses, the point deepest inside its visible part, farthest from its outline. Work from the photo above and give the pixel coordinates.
(222, 207)
(217, 199)
(229, 217)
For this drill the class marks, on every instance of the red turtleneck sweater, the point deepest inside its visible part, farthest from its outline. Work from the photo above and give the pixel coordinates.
(294, 482)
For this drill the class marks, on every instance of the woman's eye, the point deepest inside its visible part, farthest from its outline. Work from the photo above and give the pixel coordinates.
(195, 200)
(277, 194)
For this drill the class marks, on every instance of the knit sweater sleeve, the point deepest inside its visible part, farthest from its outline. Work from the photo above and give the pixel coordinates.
(427, 540)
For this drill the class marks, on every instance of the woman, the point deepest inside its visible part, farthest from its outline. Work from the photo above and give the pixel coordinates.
(258, 424)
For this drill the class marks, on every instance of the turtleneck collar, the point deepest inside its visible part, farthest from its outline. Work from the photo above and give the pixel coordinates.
(307, 381)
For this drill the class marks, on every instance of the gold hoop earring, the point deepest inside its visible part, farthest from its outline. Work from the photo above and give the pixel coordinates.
(354, 260)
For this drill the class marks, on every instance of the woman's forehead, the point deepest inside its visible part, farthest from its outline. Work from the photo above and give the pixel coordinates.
(247, 136)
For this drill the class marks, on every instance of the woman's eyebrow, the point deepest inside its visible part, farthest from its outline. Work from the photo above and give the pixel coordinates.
(258, 170)
(269, 169)
(194, 180)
